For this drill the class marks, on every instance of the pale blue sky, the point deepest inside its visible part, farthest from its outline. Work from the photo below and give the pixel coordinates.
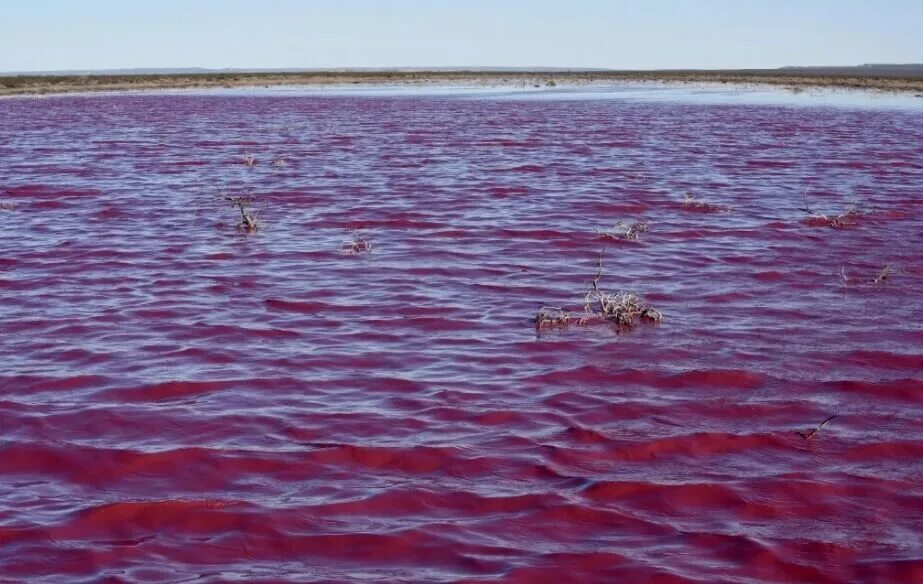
(102, 34)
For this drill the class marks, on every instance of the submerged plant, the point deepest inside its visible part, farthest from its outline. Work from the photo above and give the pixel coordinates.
(623, 230)
(356, 245)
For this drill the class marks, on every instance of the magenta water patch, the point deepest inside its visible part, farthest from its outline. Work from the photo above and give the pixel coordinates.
(181, 398)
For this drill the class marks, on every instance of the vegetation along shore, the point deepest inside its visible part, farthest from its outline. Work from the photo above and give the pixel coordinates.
(880, 78)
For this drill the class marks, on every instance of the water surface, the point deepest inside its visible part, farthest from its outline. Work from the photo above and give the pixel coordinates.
(179, 400)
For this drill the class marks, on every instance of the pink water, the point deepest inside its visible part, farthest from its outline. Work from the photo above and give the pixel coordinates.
(179, 401)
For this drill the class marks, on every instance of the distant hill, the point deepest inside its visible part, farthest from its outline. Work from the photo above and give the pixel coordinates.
(882, 69)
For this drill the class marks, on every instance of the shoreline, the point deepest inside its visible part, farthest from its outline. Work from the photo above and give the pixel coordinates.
(38, 85)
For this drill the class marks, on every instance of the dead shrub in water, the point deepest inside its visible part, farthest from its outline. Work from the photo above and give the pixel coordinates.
(847, 218)
(623, 230)
(250, 160)
(693, 203)
(623, 309)
(248, 222)
(7, 206)
(356, 245)
(279, 162)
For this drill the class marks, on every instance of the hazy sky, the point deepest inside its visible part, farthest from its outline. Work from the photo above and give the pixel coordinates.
(101, 34)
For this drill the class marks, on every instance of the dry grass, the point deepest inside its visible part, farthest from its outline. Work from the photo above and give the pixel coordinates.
(624, 231)
(624, 309)
(356, 245)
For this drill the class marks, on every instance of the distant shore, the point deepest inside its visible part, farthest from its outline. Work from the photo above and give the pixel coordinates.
(849, 78)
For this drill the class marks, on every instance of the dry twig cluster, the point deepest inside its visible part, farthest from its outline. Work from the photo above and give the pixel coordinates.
(847, 218)
(356, 245)
(248, 222)
(624, 309)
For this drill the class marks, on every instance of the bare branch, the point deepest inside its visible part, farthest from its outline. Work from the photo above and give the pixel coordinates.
(811, 433)
(248, 222)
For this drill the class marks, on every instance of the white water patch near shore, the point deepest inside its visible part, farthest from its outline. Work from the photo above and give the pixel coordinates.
(701, 93)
